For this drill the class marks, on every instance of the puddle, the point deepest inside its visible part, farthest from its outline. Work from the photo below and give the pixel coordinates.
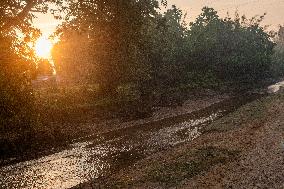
(104, 154)
(276, 87)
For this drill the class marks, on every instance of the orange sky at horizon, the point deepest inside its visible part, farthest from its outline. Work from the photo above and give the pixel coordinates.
(273, 8)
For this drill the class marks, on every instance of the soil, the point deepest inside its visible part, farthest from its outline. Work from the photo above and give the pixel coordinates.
(244, 149)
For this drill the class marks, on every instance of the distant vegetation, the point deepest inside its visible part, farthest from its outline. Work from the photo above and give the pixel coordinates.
(124, 55)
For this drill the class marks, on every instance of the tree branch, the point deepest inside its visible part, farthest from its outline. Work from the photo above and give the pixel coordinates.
(16, 20)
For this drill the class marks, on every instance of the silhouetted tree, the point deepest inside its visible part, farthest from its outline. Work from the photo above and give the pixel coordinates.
(17, 62)
(114, 42)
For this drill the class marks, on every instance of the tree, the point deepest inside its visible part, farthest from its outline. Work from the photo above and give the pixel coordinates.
(17, 62)
(165, 40)
(281, 34)
(233, 49)
(113, 37)
(278, 57)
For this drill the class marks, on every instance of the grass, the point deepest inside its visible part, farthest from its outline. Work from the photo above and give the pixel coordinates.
(66, 113)
(171, 174)
(171, 169)
(252, 113)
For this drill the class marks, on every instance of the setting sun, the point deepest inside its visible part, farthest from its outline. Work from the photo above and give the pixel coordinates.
(43, 47)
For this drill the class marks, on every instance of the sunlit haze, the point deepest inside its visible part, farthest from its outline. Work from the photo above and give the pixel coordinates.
(43, 47)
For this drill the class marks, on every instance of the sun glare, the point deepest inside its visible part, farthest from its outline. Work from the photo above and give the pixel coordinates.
(43, 47)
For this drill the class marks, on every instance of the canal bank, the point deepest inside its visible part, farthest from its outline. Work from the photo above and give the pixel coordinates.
(103, 154)
(243, 149)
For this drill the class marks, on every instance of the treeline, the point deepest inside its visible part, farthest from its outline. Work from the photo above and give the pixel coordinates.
(157, 51)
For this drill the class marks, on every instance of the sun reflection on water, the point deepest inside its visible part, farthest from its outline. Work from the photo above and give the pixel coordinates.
(62, 170)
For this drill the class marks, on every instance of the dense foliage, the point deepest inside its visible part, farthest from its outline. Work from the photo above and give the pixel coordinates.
(117, 46)
(233, 49)
(17, 63)
(135, 43)
(108, 38)
(278, 56)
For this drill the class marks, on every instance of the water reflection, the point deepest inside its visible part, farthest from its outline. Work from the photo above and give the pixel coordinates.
(179, 133)
(60, 170)
(276, 87)
(109, 152)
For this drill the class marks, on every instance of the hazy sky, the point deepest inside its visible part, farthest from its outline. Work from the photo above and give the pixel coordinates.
(273, 8)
